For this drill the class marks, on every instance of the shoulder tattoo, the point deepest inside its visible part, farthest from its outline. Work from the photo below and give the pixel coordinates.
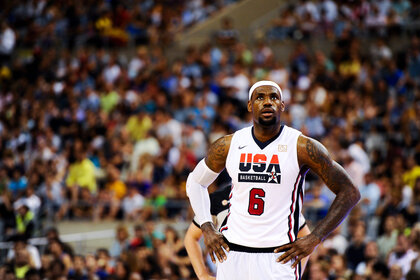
(319, 156)
(216, 156)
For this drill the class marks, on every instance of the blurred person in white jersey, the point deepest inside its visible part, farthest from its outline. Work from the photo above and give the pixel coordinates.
(267, 163)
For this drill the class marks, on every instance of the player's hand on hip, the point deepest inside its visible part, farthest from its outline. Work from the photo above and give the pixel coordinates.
(298, 249)
(214, 242)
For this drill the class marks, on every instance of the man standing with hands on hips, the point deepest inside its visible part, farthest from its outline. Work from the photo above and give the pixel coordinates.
(267, 163)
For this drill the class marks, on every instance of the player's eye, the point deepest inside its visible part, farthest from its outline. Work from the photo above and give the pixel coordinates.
(260, 97)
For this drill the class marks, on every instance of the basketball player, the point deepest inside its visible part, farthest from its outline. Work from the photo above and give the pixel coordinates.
(267, 163)
(219, 209)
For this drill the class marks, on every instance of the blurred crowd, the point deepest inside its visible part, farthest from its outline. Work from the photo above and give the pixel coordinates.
(112, 23)
(150, 253)
(88, 132)
(304, 19)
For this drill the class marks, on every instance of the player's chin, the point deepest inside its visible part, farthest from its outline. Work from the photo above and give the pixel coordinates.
(267, 121)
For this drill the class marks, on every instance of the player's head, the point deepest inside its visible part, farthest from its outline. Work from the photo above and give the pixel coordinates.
(265, 102)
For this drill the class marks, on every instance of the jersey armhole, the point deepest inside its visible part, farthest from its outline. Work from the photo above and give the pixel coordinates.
(195, 223)
(229, 153)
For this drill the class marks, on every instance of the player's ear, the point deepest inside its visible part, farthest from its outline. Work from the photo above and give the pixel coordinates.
(282, 106)
(249, 106)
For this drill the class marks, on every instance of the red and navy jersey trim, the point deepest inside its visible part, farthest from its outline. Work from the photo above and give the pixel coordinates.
(297, 200)
(297, 194)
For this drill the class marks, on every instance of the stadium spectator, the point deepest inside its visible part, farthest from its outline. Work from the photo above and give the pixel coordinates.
(21, 263)
(57, 252)
(316, 204)
(336, 241)
(227, 36)
(318, 271)
(79, 268)
(81, 174)
(133, 204)
(355, 251)
(7, 42)
(52, 197)
(52, 235)
(370, 196)
(110, 197)
(20, 242)
(104, 263)
(395, 272)
(339, 268)
(30, 199)
(402, 255)
(25, 220)
(380, 271)
(121, 242)
(371, 256)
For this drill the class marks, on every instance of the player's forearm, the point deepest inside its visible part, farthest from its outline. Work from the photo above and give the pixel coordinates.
(344, 201)
(196, 256)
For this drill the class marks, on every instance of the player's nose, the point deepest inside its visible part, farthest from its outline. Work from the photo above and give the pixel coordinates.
(267, 102)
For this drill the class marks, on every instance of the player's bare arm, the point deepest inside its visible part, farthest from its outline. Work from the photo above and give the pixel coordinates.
(315, 156)
(195, 254)
(215, 160)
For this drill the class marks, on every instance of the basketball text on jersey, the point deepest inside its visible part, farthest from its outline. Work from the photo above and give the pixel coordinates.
(258, 169)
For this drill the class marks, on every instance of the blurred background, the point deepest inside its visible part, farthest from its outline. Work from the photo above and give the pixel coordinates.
(106, 106)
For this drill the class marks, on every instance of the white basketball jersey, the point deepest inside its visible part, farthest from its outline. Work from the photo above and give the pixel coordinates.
(267, 189)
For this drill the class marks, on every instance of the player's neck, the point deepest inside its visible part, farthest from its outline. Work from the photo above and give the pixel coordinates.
(265, 133)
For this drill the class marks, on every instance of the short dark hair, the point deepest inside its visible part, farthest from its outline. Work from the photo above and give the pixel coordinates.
(52, 229)
(381, 268)
(32, 272)
(102, 250)
(19, 237)
(413, 275)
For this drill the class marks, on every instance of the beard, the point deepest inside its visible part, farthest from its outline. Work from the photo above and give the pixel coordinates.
(268, 122)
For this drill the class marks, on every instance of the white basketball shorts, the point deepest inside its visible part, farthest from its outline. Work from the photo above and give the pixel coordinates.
(255, 266)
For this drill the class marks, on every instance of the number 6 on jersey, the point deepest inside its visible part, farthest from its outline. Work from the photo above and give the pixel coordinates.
(256, 203)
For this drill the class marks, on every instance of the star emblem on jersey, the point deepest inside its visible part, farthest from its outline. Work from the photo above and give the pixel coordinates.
(272, 177)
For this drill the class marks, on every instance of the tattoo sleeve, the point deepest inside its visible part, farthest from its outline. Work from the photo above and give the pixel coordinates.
(216, 156)
(314, 155)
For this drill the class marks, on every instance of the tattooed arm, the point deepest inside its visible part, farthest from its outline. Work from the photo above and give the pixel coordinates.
(314, 155)
(203, 175)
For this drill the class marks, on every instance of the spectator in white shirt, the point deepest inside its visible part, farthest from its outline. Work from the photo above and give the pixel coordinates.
(370, 195)
(132, 204)
(357, 151)
(30, 199)
(112, 71)
(7, 41)
(354, 168)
